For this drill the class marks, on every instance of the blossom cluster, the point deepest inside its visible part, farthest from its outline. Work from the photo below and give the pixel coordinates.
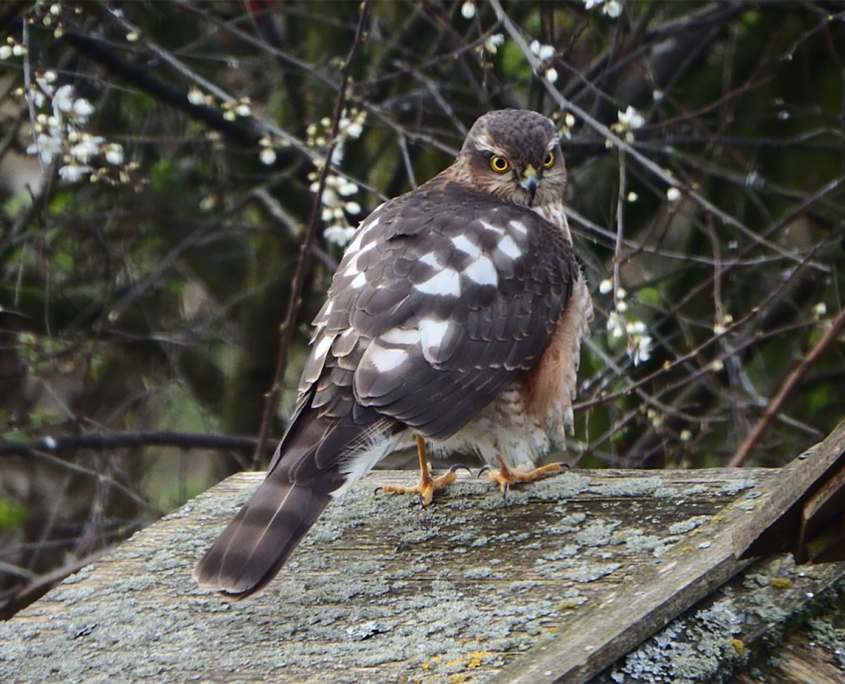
(628, 121)
(59, 134)
(635, 332)
(566, 128)
(336, 198)
(611, 8)
(546, 54)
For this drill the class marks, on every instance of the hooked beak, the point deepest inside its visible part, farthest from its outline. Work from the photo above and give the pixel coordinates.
(530, 181)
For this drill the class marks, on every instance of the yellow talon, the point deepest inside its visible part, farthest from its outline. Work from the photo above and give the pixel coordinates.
(506, 477)
(427, 484)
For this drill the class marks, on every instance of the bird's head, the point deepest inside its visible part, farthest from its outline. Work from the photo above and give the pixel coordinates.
(515, 155)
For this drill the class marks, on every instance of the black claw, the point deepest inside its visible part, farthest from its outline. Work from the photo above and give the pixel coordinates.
(563, 465)
(483, 470)
(458, 466)
(377, 489)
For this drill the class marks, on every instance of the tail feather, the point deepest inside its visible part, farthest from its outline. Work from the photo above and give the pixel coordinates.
(257, 542)
(310, 465)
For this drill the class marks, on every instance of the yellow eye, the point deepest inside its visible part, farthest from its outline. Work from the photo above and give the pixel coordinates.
(499, 164)
(549, 160)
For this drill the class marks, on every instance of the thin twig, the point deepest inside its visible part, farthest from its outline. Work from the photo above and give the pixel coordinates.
(126, 440)
(776, 404)
(295, 300)
(620, 230)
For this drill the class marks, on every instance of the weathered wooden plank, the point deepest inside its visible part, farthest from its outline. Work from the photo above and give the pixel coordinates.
(808, 503)
(651, 596)
(382, 590)
(740, 628)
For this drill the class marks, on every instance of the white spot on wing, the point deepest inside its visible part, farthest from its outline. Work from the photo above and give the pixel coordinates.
(322, 347)
(399, 336)
(463, 244)
(430, 259)
(352, 268)
(519, 227)
(432, 334)
(509, 248)
(491, 227)
(447, 283)
(482, 271)
(385, 360)
(363, 229)
(360, 281)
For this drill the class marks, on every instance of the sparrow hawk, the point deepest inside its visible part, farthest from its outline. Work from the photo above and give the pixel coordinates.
(456, 317)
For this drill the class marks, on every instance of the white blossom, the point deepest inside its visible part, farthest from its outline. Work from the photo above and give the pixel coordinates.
(88, 147)
(114, 153)
(468, 9)
(543, 52)
(63, 100)
(494, 42)
(242, 108)
(605, 286)
(551, 75)
(46, 147)
(5, 52)
(639, 342)
(82, 109)
(74, 172)
(195, 96)
(615, 324)
(673, 194)
(267, 155)
(611, 8)
(641, 349)
(354, 130)
(630, 119)
(339, 235)
(346, 187)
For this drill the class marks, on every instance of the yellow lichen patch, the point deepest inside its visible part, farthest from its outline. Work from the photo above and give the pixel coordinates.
(738, 645)
(568, 604)
(780, 583)
(476, 657)
(429, 663)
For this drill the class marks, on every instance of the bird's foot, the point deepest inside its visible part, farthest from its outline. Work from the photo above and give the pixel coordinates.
(506, 477)
(427, 485)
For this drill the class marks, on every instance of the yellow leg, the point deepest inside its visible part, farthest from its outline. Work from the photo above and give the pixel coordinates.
(427, 484)
(506, 477)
